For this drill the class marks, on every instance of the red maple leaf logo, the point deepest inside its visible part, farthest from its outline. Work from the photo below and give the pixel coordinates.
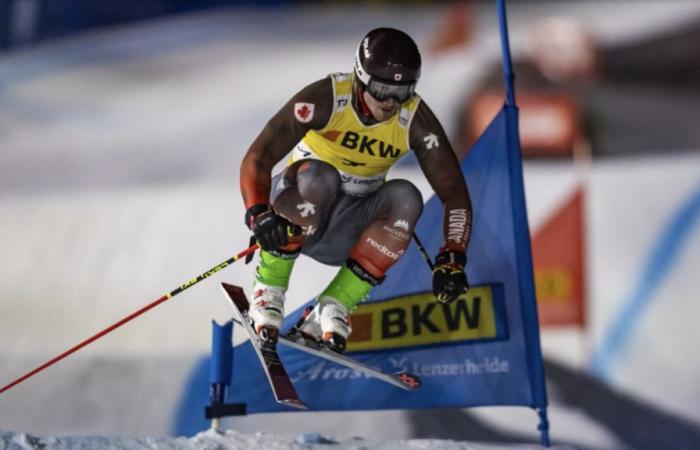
(303, 112)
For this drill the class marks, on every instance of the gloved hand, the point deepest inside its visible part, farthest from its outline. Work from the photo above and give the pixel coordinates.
(449, 279)
(271, 230)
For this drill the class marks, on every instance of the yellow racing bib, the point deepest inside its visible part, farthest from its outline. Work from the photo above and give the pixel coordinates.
(363, 154)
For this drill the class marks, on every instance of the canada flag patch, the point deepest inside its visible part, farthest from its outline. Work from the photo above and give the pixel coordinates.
(304, 112)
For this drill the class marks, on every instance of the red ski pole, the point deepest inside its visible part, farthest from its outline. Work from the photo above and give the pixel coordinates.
(151, 305)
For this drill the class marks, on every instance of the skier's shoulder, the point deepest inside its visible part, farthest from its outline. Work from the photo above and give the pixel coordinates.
(319, 90)
(317, 98)
(424, 118)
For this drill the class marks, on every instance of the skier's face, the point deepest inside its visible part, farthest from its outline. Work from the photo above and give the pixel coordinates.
(380, 110)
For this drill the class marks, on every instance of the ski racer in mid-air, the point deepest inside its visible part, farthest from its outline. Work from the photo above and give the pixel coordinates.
(344, 133)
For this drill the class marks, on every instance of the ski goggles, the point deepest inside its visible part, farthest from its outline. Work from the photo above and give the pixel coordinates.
(383, 91)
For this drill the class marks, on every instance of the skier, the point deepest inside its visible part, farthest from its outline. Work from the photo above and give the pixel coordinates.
(332, 201)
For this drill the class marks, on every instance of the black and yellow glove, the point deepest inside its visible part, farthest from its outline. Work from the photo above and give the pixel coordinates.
(449, 279)
(271, 230)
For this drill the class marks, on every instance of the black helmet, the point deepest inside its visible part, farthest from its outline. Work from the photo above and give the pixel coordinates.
(387, 62)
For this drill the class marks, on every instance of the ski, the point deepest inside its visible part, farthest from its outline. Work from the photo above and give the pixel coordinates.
(403, 380)
(281, 385)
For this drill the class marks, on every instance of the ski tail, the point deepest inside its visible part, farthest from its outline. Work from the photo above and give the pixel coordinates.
(277, 376)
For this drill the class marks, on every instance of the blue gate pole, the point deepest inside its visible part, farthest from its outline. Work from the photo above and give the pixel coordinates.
(221, 365)
(524, 256)
(220, 372)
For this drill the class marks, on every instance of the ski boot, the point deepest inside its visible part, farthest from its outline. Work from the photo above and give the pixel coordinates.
(266, 312)
(327, 323)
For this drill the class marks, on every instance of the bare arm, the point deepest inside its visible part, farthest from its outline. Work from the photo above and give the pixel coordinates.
(308, 109)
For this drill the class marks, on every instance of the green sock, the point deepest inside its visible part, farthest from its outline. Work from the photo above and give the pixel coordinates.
(347, 288)
(274, 270)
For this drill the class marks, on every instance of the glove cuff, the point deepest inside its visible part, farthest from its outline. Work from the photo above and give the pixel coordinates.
(451, 257)
(254, 211)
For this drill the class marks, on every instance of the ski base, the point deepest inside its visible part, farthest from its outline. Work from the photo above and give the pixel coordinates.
(403, 380)
(281, 385)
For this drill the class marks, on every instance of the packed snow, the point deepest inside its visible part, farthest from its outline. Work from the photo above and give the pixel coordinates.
(232, 440)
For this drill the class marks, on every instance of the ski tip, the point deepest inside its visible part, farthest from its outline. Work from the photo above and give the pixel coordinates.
(410, 381)
(298, 404)
(232, 291)
(235, 295)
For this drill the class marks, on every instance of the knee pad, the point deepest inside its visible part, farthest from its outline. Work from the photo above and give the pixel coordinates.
(404, 198)
(311, 187)
(318, 182)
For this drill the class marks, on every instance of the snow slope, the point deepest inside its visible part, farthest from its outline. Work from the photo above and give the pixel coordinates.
(232, 440)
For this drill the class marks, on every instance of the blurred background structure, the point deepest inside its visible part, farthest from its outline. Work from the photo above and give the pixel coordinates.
(122, 126)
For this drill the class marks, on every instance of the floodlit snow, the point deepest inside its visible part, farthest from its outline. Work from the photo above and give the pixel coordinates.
(232, 440)
(119, 182)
